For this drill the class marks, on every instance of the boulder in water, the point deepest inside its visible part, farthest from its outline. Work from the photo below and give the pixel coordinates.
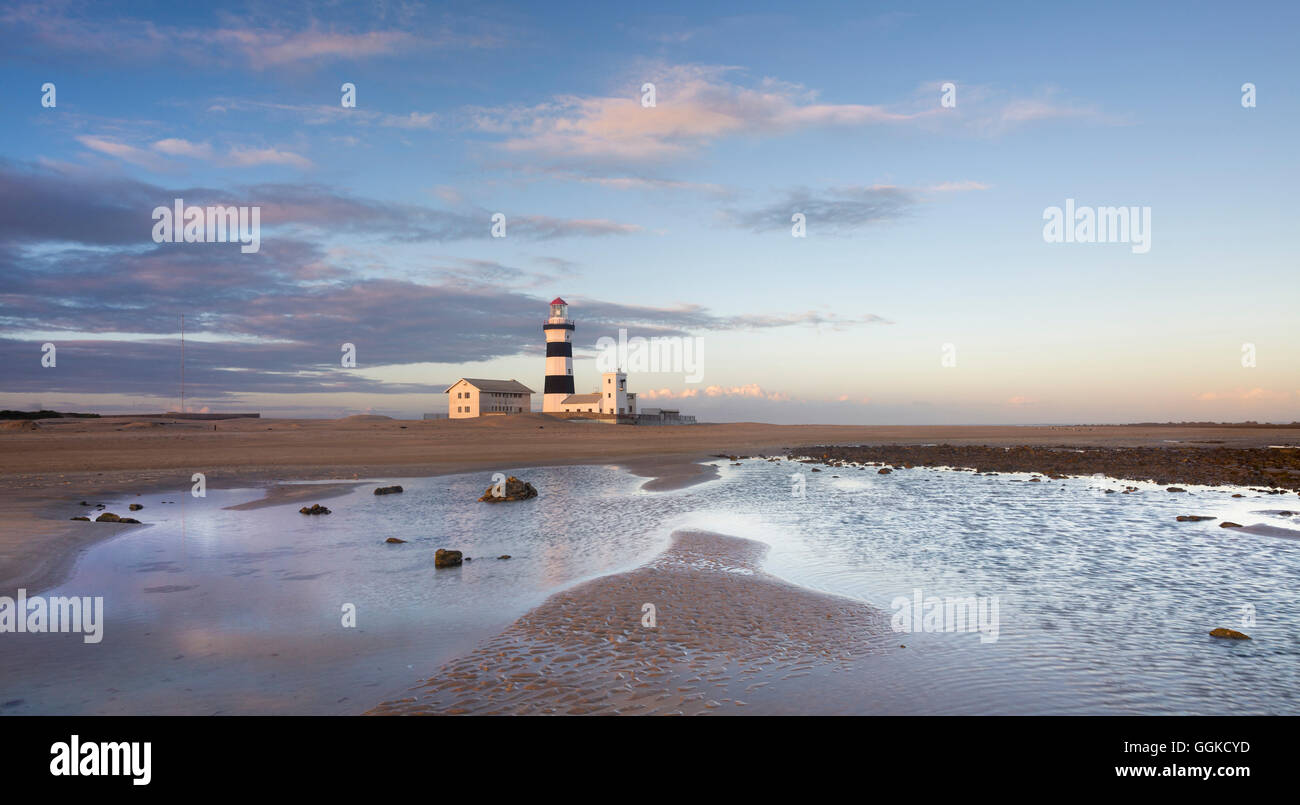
(315, 508)
(388, 490)
(1229, 634)
(445, 558)
(515, 489)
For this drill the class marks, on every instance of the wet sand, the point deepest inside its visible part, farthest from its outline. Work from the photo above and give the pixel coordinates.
(726, 636)
(670, 472)
(48, 466)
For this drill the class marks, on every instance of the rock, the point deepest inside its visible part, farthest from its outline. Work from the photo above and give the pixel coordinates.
(1229, 634)
(315, 508)
(1229, 524)
(1175, 489)
(814, 469)
(84, 503)
(1238, 495)
(883, 471)
(135, 507)
(87, 519)
(395, 541)
(388, 490)
(109, 517)
(1192, 518)
(515, 489)
(504, 556)
(445, 558)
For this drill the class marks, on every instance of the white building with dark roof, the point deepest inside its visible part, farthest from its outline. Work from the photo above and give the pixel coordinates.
(613, 399)
(472, 396)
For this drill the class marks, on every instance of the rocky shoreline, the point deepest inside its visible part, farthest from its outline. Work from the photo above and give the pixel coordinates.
(1267, 470)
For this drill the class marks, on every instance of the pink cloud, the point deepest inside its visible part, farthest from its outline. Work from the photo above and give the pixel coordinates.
(124, 152)
(183, 148)
(695, 105)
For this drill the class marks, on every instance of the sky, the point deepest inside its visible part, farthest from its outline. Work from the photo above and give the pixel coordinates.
(924, 146)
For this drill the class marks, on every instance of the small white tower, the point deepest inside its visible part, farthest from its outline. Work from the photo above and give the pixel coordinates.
(613, 393)
(559, 356)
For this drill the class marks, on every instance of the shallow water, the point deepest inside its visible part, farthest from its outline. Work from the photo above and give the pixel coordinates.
(1104, 601)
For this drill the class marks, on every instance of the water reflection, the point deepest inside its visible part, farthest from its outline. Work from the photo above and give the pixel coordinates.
(1105, 599)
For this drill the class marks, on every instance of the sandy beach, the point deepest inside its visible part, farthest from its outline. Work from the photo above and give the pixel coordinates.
(48, 467)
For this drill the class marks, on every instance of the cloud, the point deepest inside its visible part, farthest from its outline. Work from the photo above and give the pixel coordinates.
(52, 204)
(751, 390)
(989, 111)
(183, 148)
(81, 270)
(127, 153)
(841, 210)
(246, 157)
(695, 105)
(1021, 400)
(265, 48)
(237, 156)
(834, 210)
(230, 40)
(328, 114)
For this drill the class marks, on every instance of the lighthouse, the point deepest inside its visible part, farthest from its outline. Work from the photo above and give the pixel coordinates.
(559, 356)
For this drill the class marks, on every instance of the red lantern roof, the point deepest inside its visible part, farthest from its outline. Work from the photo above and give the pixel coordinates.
(558, 301)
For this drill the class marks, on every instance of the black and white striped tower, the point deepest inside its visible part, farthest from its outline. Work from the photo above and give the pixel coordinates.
(559, 356)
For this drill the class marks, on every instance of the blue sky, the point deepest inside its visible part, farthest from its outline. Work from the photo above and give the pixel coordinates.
(924, 223)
